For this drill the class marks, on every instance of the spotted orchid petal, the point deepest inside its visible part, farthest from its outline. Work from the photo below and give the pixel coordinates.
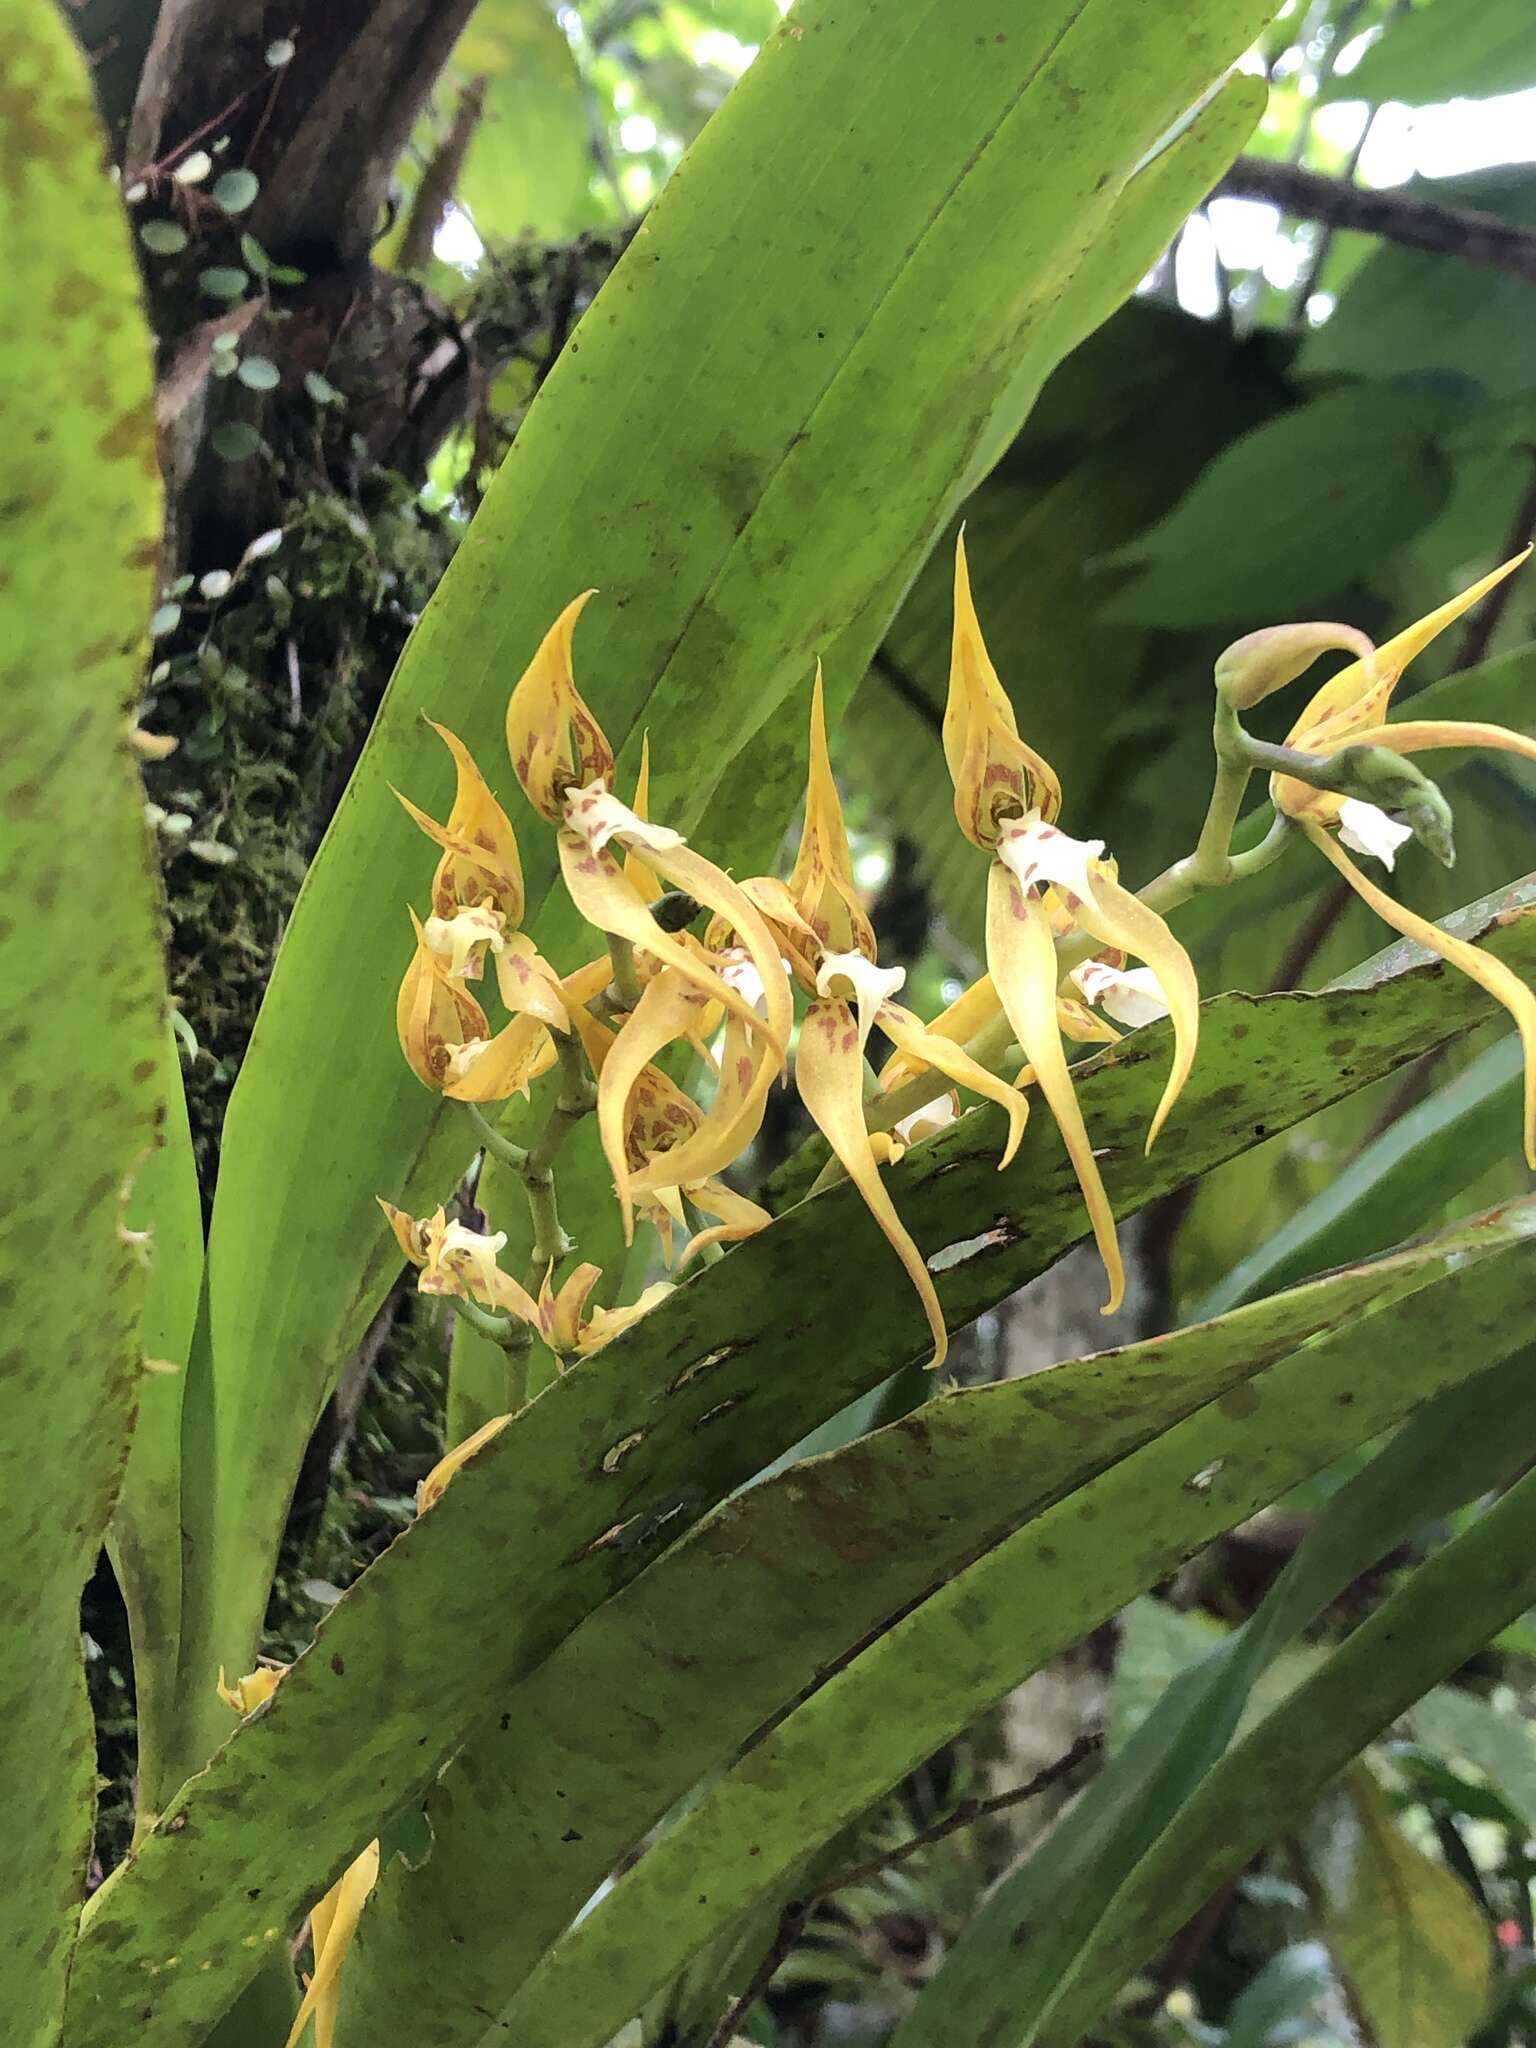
(480, 858)
(414, 1235)
(1078, 1024)
(670, 1008)
(333, 1926)
(968, 1015)
(560, 1314)
(738, 1217)
(929, 1048)
(1500, 982)
(635, 869)
(829, 1073)
(462, 940)
(1021, 952)
(604, 1324)
(455, 1260)
(602, 894)
(996, 776)
(496, 1069)
(1366, 828)
(528, 985)
(431, 1489)
(747, 1071)
(1123, 921)
(555, 743)
(822, 885)
(434, 1013)
(597, 816)
(462, 1261)
(1038, 853)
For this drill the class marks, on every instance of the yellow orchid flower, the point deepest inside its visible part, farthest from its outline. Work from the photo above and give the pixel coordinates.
(477, 904)
(457, 1261)
(572, 1330)
(565, 765)
(446, 1036)
(480, 857)
(822, 926)
(1007, 800)
(661, 1147)
(821, 886)
(1351, 710)
(333, 1920)
(431, 1489)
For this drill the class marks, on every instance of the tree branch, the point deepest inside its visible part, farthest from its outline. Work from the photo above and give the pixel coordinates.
(1395, 216)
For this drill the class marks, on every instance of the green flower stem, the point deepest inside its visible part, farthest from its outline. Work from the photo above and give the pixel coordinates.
(535, 1166)
(493, 1141)
(501, 1329)
(626, 979)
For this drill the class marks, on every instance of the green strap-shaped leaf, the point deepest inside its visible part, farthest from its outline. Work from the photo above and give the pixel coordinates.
(1415, 1168)
(620, 1454)
(1099, 1897)
(1446, 1611)
(985, 1630)
(668, 1678)
(764, 420)
(145, 1537)
(746, 816)
(80, 984)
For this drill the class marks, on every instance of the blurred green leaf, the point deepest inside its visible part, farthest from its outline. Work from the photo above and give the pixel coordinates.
(1501, 1744)
(526, 170)
(1314, 497)
(1283, 1992)
(1401, 315)
(1437, 53)
(81, 992)
(1414, 1946)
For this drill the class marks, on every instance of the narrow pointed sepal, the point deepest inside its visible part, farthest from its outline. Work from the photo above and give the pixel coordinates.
(1123, 921)
(1501, 982)
(1021, 954)
(829, 1072)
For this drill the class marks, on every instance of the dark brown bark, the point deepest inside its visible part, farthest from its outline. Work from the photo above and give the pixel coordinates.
(322, 132)
(1397, 216)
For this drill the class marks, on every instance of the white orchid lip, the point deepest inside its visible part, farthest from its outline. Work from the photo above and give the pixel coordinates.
(926, 1122)
(465, 1254)
(462, 939)
(597, 816)
(739, 973)
(1366, 828)
(1038, 853)
(1132, 996)
(870, 982)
